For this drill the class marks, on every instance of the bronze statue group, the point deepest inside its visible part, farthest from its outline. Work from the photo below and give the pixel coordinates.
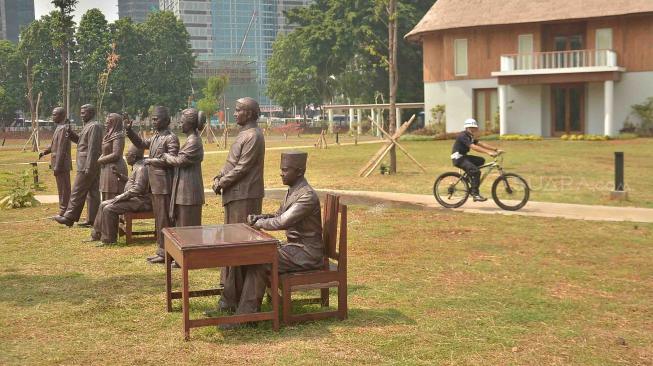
(169, 183)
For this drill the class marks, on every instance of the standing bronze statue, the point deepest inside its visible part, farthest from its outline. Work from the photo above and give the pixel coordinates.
(240, 181)
(164, 141)
(87, 180)
(187, 188)
(135, 198)
(113, 145)
(60, 159)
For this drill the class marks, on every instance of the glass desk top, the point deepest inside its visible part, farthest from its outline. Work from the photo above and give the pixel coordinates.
(209, 236)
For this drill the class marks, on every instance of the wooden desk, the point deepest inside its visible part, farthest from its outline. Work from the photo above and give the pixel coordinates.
(196, 247)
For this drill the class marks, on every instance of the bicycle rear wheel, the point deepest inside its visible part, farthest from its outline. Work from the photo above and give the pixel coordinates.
(450, 190)
(510, 192)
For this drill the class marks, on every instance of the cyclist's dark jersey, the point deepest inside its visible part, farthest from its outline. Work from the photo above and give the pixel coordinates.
(463, 141)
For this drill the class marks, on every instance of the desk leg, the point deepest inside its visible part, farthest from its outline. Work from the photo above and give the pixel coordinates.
(168, 282)
(186, 305)
(275, 292)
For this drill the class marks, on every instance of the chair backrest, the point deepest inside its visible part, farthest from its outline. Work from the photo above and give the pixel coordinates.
(335, 246)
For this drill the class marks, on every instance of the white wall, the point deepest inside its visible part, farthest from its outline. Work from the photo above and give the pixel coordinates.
(633, 88)
(524, 109)
(434, 94)
(458, 98)
(546, 111)
(594, 109)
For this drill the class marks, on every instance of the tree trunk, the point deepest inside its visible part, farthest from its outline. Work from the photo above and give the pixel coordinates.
(393, 77)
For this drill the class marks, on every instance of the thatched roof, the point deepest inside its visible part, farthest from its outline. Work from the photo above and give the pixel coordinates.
(448, 14)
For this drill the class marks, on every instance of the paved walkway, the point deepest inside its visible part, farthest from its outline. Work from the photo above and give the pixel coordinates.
(421, 201)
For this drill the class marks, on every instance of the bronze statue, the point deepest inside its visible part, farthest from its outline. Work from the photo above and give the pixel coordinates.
(87, 180)
(240, 181)
(135, 198)
(164, 141)
(60, 159)
(113, 145)
(299, 215)
(187, 188)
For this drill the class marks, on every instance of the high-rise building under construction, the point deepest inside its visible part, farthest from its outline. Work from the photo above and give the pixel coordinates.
(241, 33)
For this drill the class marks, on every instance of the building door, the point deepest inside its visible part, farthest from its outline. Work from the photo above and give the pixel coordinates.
(568, 109)
(486, 109)
(563, 38)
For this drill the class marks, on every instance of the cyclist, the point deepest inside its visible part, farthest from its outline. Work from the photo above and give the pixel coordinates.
(465, 141)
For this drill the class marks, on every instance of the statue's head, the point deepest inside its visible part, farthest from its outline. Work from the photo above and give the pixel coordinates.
(134, 154)
(192, 119)
(247, 110)
(58, 115)
(87, 112)
(293, 166)
(113, 123)
(161, 118)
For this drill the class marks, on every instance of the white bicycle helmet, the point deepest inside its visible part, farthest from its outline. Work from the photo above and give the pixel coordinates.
(470, 122)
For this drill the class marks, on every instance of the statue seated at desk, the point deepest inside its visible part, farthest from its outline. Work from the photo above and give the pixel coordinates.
(300, 216)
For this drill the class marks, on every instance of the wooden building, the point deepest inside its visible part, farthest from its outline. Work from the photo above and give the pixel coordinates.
(537, 67)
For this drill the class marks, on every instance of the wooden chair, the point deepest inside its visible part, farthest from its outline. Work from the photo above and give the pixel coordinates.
(126, 226)
(333, 274)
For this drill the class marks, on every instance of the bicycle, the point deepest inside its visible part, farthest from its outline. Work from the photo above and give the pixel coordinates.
(452, 189)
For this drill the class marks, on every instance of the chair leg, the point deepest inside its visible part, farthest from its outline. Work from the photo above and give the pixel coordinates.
(128, 230)
(286, 310)
(324, 297)
(342, 300)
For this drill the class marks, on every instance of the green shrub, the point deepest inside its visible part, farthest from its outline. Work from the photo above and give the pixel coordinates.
(18, 190)
(644, 112)
(520, 137)
(584, 137)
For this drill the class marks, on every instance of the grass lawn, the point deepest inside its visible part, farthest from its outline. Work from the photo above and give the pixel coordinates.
(425, 287)
(558, 171)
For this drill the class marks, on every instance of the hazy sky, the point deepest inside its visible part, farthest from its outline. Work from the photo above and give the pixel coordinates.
(108, 7)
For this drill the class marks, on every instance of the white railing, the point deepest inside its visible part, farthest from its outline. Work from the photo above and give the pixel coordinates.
(558, 60)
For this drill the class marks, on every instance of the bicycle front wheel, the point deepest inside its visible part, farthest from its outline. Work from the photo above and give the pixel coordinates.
(450, 190)
(510, 192)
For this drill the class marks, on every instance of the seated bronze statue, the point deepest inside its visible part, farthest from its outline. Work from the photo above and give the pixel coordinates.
(135, 198)
(299, 215)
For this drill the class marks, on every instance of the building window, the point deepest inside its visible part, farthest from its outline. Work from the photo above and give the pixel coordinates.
(460, 57)
(525, 51)
(604, 39)
(603, 43)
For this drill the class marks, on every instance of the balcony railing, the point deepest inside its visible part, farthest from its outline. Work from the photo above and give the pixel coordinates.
(558, 60)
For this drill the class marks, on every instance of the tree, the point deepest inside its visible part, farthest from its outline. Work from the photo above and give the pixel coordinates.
(12, 88)
(128, 83)
(391, 8)
(213, 92)
(169, 60)
(63, 38)
(93, 46)
(36, 46)
(348, 39)
(292, 79)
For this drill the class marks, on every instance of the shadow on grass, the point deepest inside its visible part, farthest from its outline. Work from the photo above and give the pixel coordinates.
(262, 333)
(73, 288)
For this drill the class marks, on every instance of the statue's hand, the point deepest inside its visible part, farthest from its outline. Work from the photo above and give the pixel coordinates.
(126, 121)
(216, 186)
(251, 219)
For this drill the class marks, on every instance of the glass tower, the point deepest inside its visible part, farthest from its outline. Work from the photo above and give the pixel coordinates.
(137, 10)
(14, 15)
(243, 32)
(196, 16)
